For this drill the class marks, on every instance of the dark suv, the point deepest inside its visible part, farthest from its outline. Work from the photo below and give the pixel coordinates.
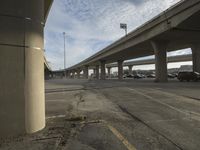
(188, 76)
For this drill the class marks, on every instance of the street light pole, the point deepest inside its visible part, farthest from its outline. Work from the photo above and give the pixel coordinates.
(124, 26)
(64, 35)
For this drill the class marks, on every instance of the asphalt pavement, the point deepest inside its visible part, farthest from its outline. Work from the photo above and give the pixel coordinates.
(117, 115)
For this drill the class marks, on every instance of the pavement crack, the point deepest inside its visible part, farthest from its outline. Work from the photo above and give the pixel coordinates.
(147, 125)
(194, 98)
(47, 138)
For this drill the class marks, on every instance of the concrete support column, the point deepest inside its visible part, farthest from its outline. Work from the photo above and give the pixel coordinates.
(97, 71)
(196, 57)
(109, 72)
(103, 70)
(130, 69)
(68, 74)
(78, 73)
(22, 105)
(86, 72)
(160, 50)
(94, 71)
(120, 69)
(65, 74)
(73, 74)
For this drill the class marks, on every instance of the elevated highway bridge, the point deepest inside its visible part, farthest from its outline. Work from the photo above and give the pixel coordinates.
(131, 64)
(176, 28)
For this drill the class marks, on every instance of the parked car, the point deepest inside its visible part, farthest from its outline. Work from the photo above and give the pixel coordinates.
(151, 76)
(171, 76)
(143, 76)
(138, 76)
(188, 76)
(124, 76)
(130, 76)
(175, 75)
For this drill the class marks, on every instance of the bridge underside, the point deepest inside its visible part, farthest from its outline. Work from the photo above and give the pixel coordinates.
(181, 37)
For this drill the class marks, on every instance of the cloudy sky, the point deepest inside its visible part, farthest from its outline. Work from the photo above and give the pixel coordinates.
(91, 25)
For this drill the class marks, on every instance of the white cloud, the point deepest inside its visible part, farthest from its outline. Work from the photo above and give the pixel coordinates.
(92, 24)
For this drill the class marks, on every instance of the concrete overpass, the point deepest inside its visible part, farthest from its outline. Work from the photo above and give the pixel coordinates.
(130, 64)
(171, 59)
(174, 29)
(22, 101)
(47, 69)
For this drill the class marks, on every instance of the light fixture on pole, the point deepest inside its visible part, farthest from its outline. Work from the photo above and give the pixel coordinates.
(64, 36)
(124, 26)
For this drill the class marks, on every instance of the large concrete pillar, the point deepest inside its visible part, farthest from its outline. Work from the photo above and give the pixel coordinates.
(64, 74)
(120, 69)
(196, 57)
(78, 73)
(109, 72)
(160, 50)
(86, 72)
(73, 74)
(130, 67)
(68, 74)
(97, 71)
(22, 105)
(94, 71)
(103, 70)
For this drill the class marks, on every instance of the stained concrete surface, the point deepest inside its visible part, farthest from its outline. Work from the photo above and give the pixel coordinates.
(120, 115)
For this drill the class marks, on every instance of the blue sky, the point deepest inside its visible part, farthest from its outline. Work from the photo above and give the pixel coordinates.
(91, 25)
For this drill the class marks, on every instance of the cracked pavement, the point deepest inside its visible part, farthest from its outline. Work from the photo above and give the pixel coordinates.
(119, 115)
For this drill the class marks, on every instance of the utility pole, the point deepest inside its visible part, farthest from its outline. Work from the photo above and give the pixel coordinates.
(64, 35)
